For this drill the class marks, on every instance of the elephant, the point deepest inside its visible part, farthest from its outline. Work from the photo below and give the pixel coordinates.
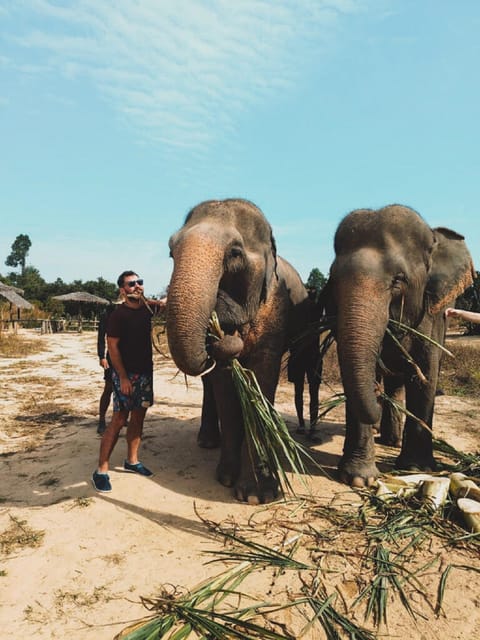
(225, 260)
(390, 265)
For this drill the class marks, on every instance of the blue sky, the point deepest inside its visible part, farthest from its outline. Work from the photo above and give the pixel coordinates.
(117, 117)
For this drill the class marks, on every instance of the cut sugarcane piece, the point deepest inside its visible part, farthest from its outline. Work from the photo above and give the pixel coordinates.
(435, 489)
(394, 486)
(462, 486)
(384, 491)
(392, 481)
(410, 480)
(416, 478)
(473, 493)
(471, 513)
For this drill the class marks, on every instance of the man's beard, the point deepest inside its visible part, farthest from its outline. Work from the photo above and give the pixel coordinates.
(135, 295)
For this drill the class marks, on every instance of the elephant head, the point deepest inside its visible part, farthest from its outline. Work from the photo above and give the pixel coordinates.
(224, 259)
(389, 264)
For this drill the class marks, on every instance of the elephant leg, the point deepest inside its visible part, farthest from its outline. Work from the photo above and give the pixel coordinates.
(314, 380)
(357, 465)
(239, 466)
(231, 425)
(417, 449)
(299, 385)
(209, 433)
(392, 420)
(256, 483)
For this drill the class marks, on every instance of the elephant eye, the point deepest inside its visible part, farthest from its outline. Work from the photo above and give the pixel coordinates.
(234, 260)
(398, 280)
(236, 252)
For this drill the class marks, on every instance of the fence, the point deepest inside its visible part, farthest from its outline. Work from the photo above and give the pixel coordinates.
(50, 325)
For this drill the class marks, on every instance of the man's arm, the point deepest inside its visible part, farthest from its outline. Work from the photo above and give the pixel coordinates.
(101, 335)
(468, 316)
(158, 305)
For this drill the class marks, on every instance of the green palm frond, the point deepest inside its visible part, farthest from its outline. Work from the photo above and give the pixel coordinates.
(207, 612)
(260, 555)
(389, 575)
(467, 462)
(270, 445)
(334, 624)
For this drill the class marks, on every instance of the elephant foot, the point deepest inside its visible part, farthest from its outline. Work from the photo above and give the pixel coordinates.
(358, 474)
(226, 479)
(208, 443)
(257, 490)
(314, 436)
(409, 463)
(255, 495)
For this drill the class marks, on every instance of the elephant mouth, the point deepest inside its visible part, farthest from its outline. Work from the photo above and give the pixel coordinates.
(230, 306)
(223, 348)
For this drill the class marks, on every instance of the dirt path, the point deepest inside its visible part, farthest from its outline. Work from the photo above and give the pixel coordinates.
(94, 556)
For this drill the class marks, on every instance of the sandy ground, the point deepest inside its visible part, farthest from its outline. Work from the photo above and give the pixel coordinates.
(98, 555)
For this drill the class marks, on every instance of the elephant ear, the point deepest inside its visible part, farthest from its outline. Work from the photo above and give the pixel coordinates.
(451, 271)
(270, 266)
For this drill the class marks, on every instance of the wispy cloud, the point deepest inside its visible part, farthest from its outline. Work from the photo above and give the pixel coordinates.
(180, 71)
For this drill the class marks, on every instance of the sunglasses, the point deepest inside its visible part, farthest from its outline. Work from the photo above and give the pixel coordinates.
(132, 283)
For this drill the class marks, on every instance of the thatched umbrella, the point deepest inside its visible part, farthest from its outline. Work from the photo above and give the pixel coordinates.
(81, 297)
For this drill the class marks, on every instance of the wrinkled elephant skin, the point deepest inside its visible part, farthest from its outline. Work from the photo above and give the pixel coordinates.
(225, 261)
(389, 264)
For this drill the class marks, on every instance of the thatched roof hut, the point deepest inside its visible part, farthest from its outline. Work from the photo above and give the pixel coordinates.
(12, 294)
(77, 299)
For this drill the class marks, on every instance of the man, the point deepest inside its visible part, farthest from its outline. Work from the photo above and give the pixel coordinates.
(104, 359)
(130, 349)
(305, 360)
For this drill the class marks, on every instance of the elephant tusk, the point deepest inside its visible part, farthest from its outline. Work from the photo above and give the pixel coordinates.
(204, 373)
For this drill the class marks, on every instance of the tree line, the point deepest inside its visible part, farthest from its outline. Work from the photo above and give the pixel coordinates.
(40, 293)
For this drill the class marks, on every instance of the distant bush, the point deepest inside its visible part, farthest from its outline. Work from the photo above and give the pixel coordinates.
(460, 375)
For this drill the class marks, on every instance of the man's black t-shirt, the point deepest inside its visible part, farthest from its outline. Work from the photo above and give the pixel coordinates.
(133, 327)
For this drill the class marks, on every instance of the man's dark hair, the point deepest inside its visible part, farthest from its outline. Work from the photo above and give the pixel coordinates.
(123, 275)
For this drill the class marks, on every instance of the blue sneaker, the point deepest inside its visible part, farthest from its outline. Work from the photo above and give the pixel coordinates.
(137, 468)
(101, 482)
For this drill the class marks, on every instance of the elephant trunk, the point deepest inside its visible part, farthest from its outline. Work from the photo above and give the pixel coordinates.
(192, 296)
(362, 319)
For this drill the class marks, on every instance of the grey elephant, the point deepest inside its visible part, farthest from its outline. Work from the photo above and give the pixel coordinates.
(389, 264)
(225, 260)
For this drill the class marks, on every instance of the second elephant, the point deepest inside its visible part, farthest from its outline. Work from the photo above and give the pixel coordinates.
(389, 264)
